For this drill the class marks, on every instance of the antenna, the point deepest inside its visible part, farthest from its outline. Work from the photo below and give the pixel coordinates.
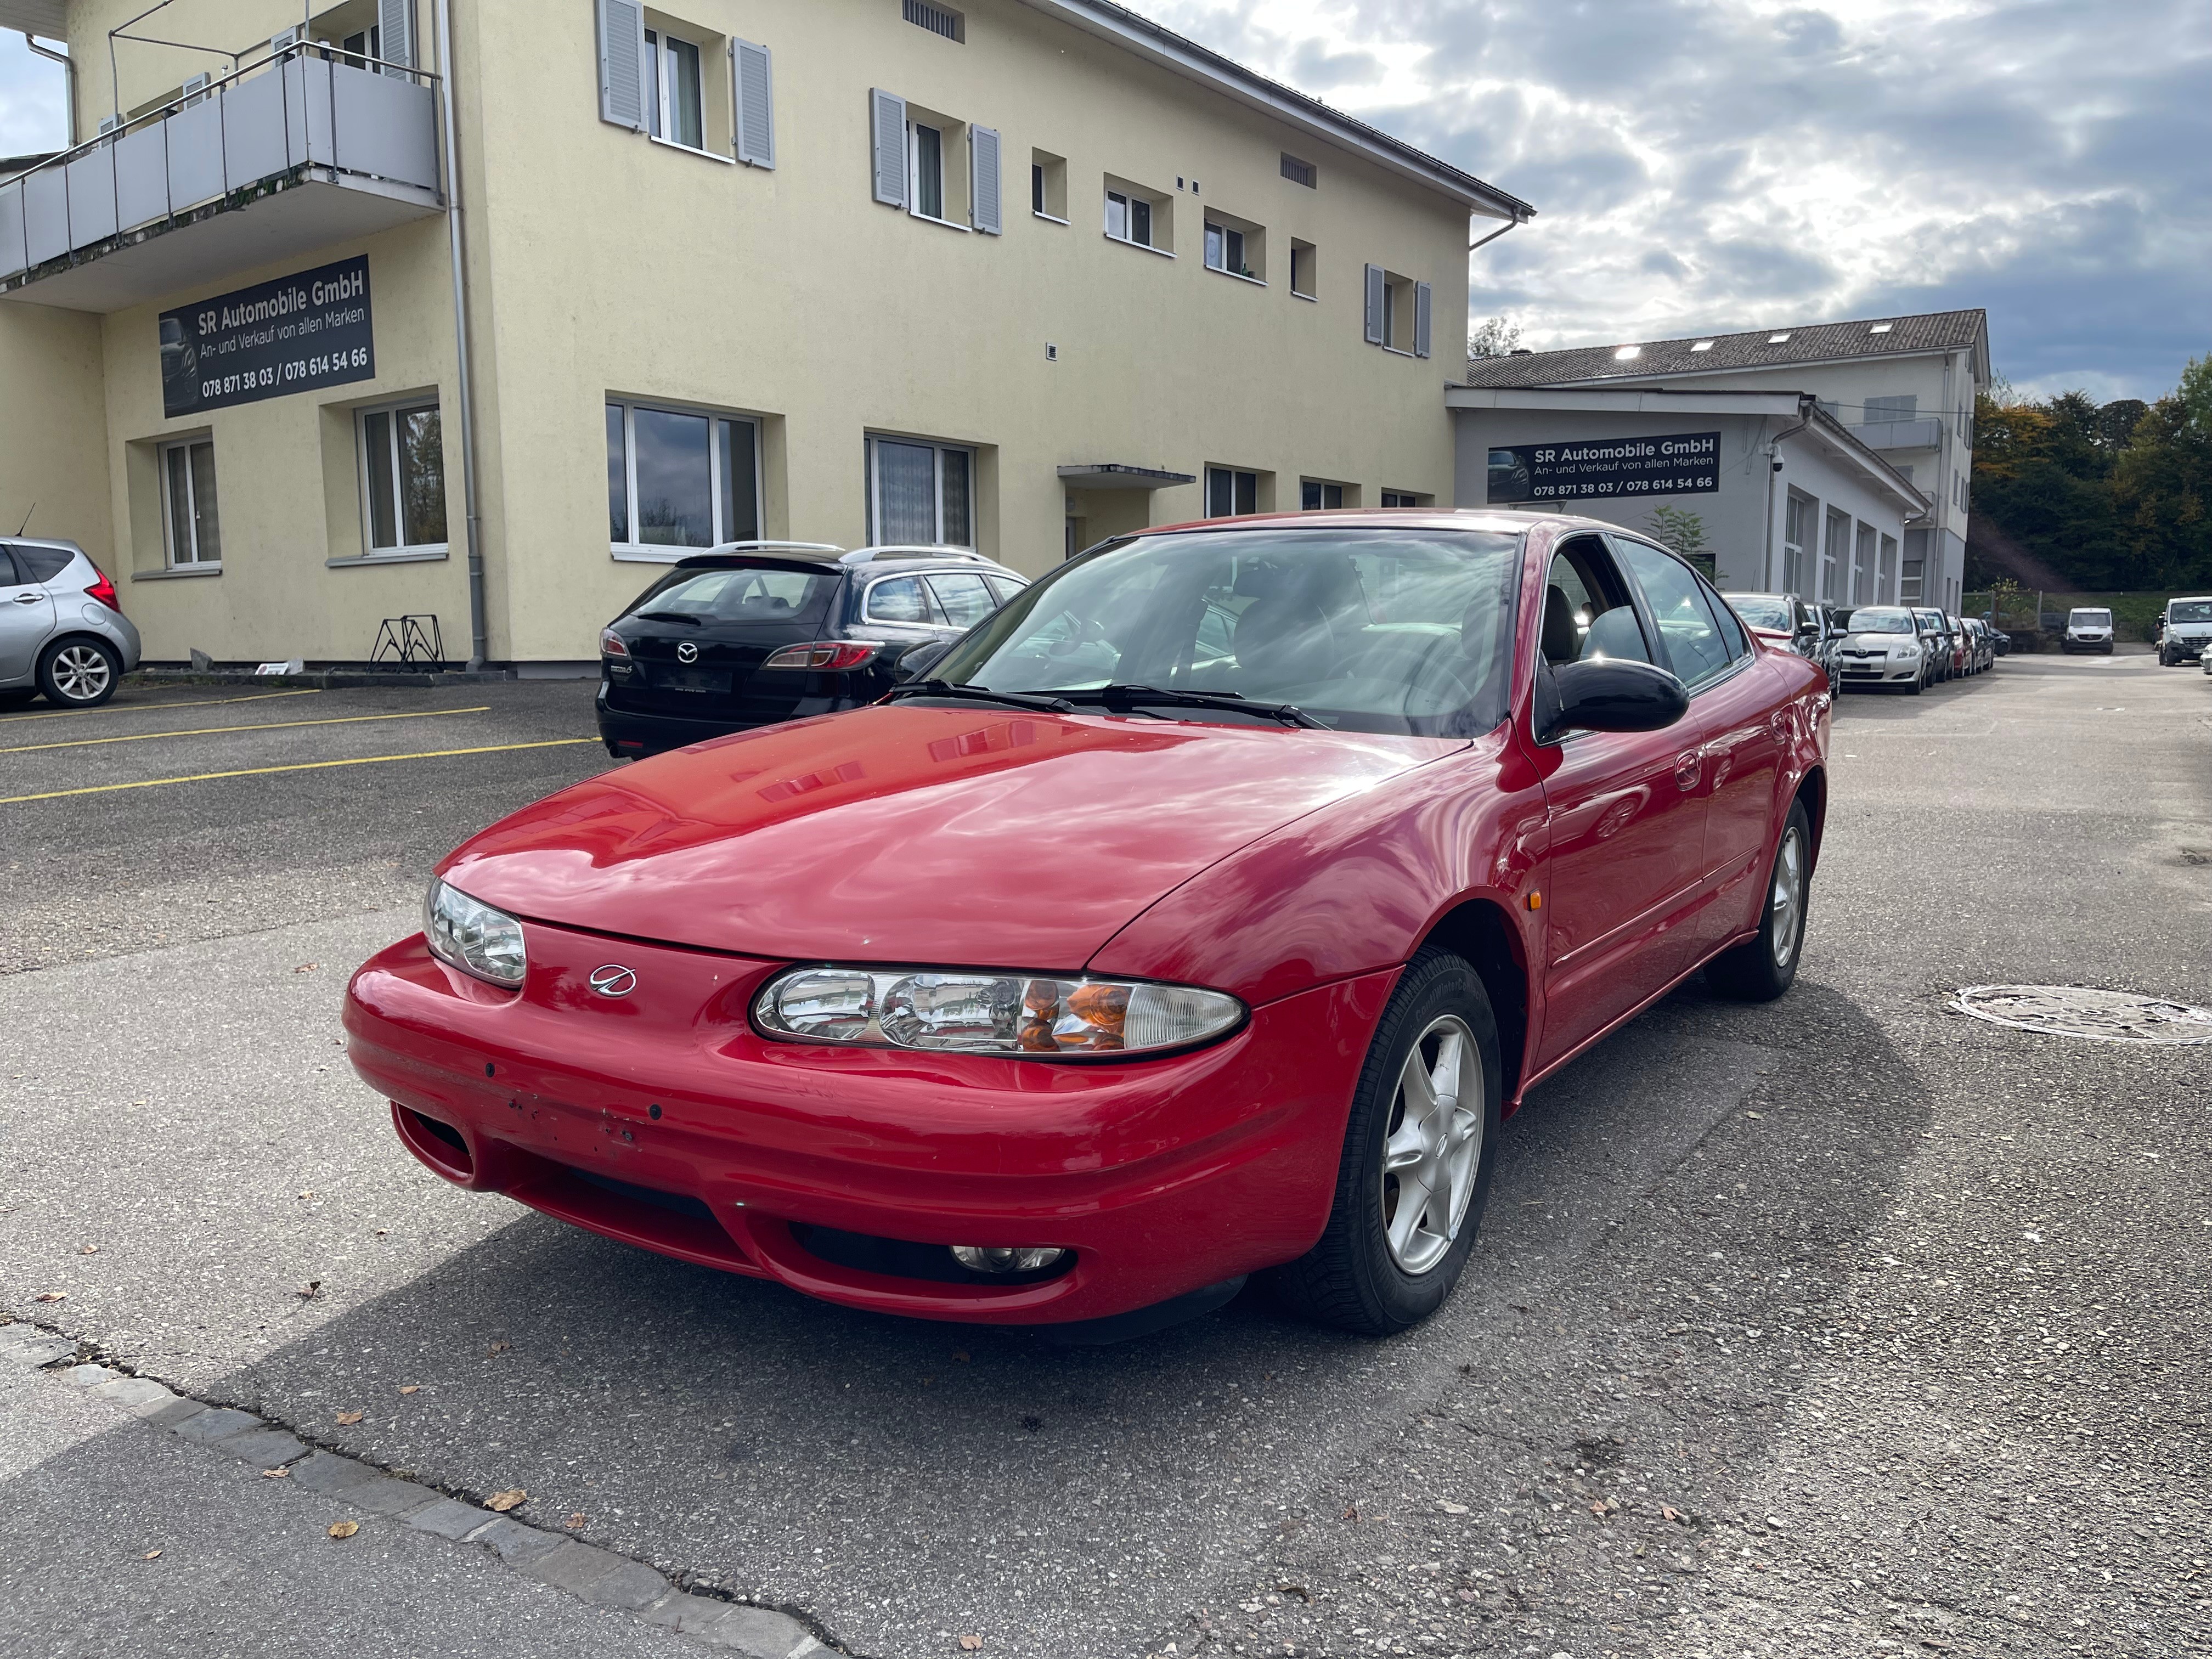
(26, 524)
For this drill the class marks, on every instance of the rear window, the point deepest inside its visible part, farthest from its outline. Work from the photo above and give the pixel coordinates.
(1762, 610)
(43, 564)
(763, 593)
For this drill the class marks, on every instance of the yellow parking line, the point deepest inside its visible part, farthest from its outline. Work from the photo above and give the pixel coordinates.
(298, 766)
(153, 707)
(265, 725)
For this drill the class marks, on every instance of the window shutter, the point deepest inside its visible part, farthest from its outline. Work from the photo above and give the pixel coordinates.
(751, 74)
(887, 130)
(621, 64)
(1420, 319)
(395, 19)
(1377, 298)
(984, 208)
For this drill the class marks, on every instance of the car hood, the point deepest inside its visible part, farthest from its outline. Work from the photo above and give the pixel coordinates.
(906, 833)
(1867, 642)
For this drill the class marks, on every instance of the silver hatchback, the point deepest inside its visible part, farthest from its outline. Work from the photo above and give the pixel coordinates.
(63, 632)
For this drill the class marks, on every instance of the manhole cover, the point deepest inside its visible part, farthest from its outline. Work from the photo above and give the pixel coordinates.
(2075, 1012)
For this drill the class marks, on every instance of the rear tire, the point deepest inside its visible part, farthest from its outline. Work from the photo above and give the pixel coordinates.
(79, 673)
(1762, 968)
(1381, 1267)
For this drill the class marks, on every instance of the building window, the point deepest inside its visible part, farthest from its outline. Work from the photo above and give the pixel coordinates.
(188, 522)
(1796, 536)
(1049, 187)
(673, 100)
(1908, 587)
(403, 478)
(364, 43)
(1229, 492)
(925, 160)
(936, 19)
(1300, 173)
(1237, 247)
(920, 494)
(1885, 590)
(1303, 276)
(1128, 218)
(1862, 566)
(679, 479)
(1878, 409)
(1397, 312)
(1314, 496)
(1405, 498)
(1835, 558)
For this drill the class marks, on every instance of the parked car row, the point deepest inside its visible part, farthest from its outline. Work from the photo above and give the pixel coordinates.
(1900, 647)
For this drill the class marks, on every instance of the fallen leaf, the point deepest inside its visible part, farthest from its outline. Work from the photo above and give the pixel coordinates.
(310, 1291)
(383, 1232)
(308, 1194)
(961, 1354)
(276, 1474)
(89, 1249)
(1597, 1507)
(307, 966)
(501, 1502)
(576, 1520)
(344, 1528)
(500, 1348)
(1351, 1513)
(1669, 1512)
(410, 1388)
(1452, 1508)
(349, 1419)
(53, 1295)
(970, 1643)
(150, 1555)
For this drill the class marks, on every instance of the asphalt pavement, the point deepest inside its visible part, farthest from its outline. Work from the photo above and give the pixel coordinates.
(1844, 1325)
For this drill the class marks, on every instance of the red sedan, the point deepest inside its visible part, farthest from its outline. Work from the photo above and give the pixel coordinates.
(1202, 912)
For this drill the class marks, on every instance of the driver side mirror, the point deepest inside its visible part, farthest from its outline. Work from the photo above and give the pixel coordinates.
(1607, 694)
(918, 659)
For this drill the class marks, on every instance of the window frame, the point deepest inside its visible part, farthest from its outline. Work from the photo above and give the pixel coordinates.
(185, 446)
(1130, 198)
(1237, 476)
(931, 616)
(939, 447)
(1312, 253)
(402, 548)
(1723, 619)
(658, 113)
(634, 552)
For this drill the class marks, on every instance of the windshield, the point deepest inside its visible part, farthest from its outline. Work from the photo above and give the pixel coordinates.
(2189, 610)
(2089, 618)
(1865, 621)
(768, 594)
(1365, 630)
(1762, 610)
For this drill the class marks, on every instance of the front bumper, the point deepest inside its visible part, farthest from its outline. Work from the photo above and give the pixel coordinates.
(664, 1120)
(2185, 650)
(1878, 671)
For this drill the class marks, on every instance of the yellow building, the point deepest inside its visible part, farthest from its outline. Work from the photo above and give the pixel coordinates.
(1015, 276)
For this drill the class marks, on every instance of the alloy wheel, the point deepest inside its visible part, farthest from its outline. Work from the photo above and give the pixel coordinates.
(81, 672)
(1786, 902)
(1433, 1145)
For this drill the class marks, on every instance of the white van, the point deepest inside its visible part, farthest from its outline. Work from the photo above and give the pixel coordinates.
(2088, 627)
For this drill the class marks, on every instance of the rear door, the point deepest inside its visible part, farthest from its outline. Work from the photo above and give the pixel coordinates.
(27, 619)
(1626, 818)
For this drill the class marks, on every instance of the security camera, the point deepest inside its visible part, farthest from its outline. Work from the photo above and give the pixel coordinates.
(1778, 464)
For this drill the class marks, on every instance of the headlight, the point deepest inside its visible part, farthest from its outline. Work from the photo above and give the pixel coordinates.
(474, 937)
(1020, 1014)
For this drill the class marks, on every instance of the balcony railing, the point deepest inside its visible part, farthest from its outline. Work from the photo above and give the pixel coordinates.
(307, 112)
(1925, 433)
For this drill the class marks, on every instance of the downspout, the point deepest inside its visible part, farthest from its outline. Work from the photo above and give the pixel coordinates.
(479, 653)
(69, 63)
(1483, 241)
(1807, 403)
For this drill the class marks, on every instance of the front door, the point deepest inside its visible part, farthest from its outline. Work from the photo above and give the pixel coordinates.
(1628, 815)
(26, 618)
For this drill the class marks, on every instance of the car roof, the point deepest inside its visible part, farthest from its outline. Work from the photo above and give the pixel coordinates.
(55, 542)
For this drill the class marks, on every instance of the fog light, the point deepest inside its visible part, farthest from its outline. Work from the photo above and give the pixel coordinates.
(1006, 1258)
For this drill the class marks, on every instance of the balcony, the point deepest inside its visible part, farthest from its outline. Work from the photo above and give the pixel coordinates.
(298, 151)
(1900, 435)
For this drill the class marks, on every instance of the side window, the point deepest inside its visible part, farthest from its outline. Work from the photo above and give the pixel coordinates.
(1003, 587)
(1690, 637)
(1738, 642)
(1587, 610)
(961, 597)
(898, 600)
(41, 564)
(8, 576)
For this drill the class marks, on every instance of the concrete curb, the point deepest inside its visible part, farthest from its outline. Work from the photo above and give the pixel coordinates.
(577, 1569)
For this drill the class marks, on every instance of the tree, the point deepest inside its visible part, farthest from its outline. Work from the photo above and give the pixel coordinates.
(1683, 531)
(1494, 337)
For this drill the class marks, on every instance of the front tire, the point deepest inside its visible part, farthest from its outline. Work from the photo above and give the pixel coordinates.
(1419, 1149)
(1762, 968)
(79, 673)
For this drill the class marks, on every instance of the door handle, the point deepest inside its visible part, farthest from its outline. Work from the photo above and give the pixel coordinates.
(1685, 772)
(28, 599)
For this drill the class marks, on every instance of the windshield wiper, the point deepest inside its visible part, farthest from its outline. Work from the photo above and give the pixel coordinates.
(1126, 699)
(670, 615)
(1043, 705)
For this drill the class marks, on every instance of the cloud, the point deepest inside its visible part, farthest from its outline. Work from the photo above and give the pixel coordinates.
(1703, 165)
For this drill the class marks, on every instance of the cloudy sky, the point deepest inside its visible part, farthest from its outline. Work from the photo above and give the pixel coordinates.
(1709, 164)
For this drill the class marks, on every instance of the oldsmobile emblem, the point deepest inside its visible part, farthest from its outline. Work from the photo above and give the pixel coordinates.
(614, 980)
(687, 652)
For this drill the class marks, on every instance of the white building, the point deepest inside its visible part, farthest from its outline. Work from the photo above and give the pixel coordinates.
(1901, 388)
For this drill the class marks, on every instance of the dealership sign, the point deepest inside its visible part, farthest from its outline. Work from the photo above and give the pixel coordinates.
(296, 334)
(1683, 464)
